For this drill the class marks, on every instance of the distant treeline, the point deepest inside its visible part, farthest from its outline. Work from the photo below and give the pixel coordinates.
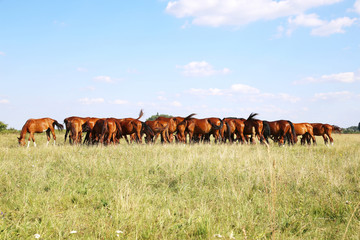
(352, 129)
(4, 128)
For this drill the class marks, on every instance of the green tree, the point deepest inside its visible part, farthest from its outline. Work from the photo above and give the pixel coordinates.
(153, 117)
(3, 126)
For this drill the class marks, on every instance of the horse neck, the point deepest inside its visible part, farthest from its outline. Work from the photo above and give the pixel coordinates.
(23, 131)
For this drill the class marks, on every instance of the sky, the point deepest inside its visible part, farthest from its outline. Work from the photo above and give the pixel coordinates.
(297, 60)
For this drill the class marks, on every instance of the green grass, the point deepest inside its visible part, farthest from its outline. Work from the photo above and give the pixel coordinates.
(180, 191)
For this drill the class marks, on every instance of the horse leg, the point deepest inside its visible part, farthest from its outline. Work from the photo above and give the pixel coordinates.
(53, 134)
(48, 136)
(33, 139)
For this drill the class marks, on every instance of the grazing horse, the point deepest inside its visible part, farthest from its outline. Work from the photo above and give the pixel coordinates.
(325, 130)
(110, 130)
(157, 127)
(280, 129)
(87, 127)
(215, 131)
(305, 130)
(131, 125)
(200, 127)
(176, 124)
(69, 126)
(233, 126)
(38, 126)
(253, 127)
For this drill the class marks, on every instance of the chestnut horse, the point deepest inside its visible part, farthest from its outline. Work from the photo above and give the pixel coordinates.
(305, 130)
(131, 125)
(176, 124)
(74, 127)
(325, 131)
(198, 128)
(280, 129)
(87, 127)
(111, 131)
(233, 126)
(38, 126)
(158, 127)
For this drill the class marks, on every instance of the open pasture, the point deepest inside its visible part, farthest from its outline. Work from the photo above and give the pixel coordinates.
(178, 191)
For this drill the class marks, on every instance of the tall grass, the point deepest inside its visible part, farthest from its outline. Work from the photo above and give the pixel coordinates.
(180, 191)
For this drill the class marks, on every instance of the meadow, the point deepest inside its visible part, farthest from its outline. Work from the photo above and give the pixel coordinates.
(177, 191)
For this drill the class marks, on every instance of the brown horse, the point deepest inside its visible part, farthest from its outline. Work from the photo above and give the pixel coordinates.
(325, 131)
(38, 126)
(131, 125)
(280, 129)
(176, 124)
(87, 127)
(232, 127)
(305, 130)
(69, 126)
(111, 129)
(198, 128)
(158, 128)
(253, 127)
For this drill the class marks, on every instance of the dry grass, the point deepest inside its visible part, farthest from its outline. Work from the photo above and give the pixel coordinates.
(180, 191)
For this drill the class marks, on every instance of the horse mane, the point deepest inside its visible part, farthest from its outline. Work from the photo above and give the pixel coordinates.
(252, 115)
(140, 114)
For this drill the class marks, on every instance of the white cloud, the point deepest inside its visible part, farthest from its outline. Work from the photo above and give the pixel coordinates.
(161, 98)
(236, 13)
(176, 104)
(320, 27)
(357, 6)
(345, 77)
(91, 100)
(201, 69)
(333, 95)
(119, 102)
(245, 89)
(4, 101)
(106, 79)
(334, 26)
(81, 69)
(242, 90)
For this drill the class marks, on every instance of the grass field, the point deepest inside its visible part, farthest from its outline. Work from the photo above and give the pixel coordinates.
(200, 191)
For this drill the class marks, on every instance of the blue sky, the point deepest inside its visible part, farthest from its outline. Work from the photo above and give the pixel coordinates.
(290, 59)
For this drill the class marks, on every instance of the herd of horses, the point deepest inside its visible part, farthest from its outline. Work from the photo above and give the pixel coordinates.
(179, 129)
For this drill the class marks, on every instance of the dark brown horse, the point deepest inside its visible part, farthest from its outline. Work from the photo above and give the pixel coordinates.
(325, 131)
(280, 129)
(305, 130)
(72, 125)
(253, 127)
(38, 126)
(87, 127)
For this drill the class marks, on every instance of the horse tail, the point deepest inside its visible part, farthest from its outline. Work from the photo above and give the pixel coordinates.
(147, 129)
(293, 131)
(58, 125)
(140, 114)
(190, 116)
(228, 132)
(186, 119)
(67, 128)
(104, 129)
(216, 127)
(252, 115)
(118, 128)
(266, 130)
